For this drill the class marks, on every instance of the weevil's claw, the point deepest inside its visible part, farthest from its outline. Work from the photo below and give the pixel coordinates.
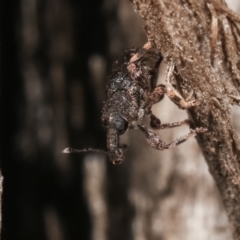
(200, 130)
(194, 103)
(155, 122)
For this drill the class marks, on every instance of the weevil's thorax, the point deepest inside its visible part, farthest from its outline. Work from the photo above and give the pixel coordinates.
(127, 104)
(132, 78)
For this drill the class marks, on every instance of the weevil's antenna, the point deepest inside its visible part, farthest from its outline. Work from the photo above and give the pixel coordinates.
(74, 150)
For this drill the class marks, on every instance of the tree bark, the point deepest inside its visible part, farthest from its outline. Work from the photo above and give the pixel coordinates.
(202, 39)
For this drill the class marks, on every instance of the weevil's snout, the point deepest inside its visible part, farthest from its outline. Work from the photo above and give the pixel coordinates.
(117, 125)
(116, 156)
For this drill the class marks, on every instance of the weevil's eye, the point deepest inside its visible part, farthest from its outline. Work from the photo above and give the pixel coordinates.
(120, 124)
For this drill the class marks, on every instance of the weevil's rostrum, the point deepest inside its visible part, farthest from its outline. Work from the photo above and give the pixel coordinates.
(131, 91)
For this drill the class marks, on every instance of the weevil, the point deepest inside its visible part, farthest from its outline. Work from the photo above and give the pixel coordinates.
(130, 93)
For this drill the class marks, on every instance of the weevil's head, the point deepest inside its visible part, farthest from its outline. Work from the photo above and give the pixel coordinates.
(115, 126)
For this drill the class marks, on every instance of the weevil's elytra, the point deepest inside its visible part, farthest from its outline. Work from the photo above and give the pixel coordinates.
(131, 91)
(129, 86)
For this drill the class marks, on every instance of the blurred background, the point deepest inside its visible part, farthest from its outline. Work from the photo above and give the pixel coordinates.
(55, 57)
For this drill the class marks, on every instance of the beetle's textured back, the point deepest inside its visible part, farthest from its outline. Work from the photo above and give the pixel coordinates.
(133, 76)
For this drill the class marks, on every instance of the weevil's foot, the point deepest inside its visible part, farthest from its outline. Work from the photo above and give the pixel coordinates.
(199, 130)
(194, 103)
(154, 140)
(155, 122)
(189, 96)
(236, 99)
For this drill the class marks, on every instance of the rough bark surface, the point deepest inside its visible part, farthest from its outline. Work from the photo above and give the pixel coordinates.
(202, 38)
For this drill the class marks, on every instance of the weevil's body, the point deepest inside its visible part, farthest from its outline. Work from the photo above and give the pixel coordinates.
(131, 92)
(133, 78)
(130, 84)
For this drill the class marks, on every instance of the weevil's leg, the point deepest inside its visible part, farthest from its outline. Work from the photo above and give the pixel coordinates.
(139, 54)
(173, 94)
(236, 99)
(174, 124)
(156, 95)
(154, 140)
(189, 96)
(156, 124)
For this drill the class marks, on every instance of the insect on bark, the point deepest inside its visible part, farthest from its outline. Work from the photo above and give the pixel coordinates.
(131, 91)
